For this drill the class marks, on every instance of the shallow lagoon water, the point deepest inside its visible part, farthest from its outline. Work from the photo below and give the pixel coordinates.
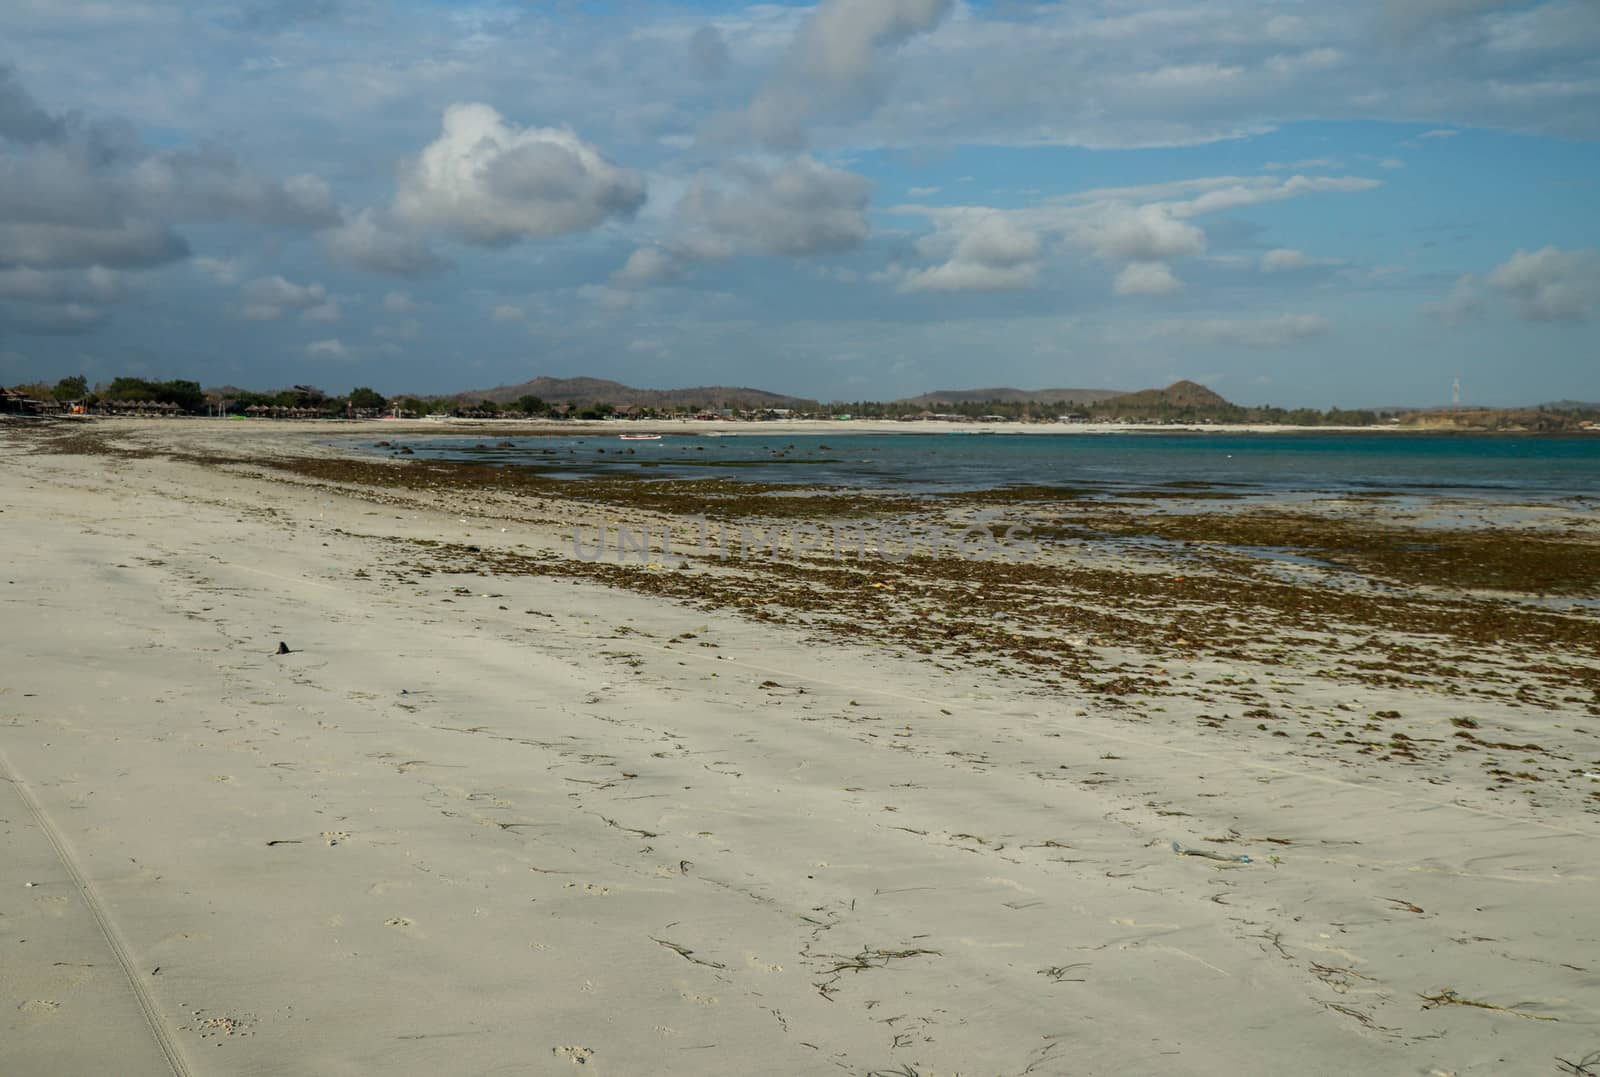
(1498, 467)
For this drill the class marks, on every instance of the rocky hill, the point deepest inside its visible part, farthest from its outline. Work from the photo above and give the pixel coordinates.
(1011, 396)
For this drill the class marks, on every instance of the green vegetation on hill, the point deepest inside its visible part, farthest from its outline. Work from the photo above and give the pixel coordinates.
(1183, 402)
(1189, 402)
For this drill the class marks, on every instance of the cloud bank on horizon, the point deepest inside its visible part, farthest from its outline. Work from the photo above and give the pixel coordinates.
(1297, 203)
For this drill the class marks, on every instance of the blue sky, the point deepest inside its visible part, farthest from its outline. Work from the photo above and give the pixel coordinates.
(1293, 202)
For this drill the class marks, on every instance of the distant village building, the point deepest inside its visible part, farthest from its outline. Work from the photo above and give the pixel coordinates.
(16, 402)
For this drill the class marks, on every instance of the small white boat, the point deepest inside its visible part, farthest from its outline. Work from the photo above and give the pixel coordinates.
(640, 437)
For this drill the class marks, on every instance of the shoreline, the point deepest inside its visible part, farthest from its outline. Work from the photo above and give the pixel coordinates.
(727, 427)
(500, 806)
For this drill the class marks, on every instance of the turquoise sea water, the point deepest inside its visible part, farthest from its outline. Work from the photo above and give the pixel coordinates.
(1499, 467)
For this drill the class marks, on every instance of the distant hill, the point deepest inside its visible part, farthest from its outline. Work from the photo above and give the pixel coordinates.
(1011, 396)
(1180, 396)
(1505, 419)
(601, 391)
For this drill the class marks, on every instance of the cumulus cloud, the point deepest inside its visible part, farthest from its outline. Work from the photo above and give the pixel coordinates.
(1143, 228)
(273, 298)
(648, 265)
(21, 118)
(210, 183)
(1148, 233)
(1277, 332)
(80, 198)
(119, 245)
(990, 253)
(399, 303)
(373, 240)
(833, 65)
(1551, 284)
(508, 312)
(1147, 278)
(490, 183)
(1464, 303)
(58, 301)
(799, 207)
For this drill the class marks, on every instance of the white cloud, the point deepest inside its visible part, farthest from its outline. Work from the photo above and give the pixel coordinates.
(990, 253)
(399, 303)
(507, 312)
(121, 245)
(800, 207)
(1147, 278)
(1440, 132)
(58, 301)
(1258, 190)
(1140, 234)
(648, 265)
(332, 348)
(272, 298)
(94, 285)
(374, 241)
(833, 66)
(490, 183)
(1464, 303)
(210, 183)
(1551, 284)
(1150, 224)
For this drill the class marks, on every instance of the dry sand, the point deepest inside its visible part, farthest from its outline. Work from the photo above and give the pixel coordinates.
(500, 824)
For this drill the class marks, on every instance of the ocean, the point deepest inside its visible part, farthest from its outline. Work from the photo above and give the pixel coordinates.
(1499, 467)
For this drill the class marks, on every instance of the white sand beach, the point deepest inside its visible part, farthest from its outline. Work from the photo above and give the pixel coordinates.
(536, 824)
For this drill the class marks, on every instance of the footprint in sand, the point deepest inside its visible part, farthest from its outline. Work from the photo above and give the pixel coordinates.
(39, 1007)
(334, 837)
(399, 921)
(579, 1056)
(53, 906)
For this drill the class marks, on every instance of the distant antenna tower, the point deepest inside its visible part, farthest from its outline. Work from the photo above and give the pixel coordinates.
(1455, 392)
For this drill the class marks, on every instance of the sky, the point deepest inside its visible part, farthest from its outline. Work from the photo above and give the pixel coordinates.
(1299, 203)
